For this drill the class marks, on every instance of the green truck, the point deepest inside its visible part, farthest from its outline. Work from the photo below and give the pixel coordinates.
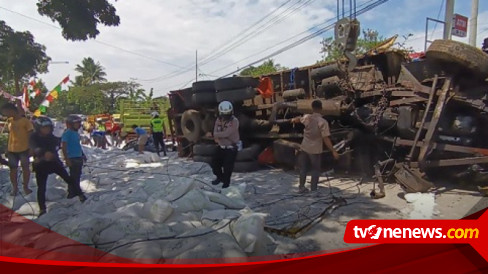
(139, 112)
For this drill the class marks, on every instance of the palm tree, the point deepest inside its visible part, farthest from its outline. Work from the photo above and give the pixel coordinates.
(91, 72)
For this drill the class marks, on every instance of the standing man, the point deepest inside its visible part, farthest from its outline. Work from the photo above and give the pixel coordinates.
(157, 129)
(20, 129)
(226, 135)
(73, 155)
(315, 134)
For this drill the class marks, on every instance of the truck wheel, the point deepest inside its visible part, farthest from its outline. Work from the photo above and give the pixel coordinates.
(187, 94)
(235, 83)
(202, 159)
(204, 98)
(203, 86)
(208, 123)
(191, 125)
(449, 53)
(242, 167)
(236, 95)
(204, 150)
(248, 154)
(325, 72)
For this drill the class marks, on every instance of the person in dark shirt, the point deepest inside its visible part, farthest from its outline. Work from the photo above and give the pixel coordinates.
(44, 147)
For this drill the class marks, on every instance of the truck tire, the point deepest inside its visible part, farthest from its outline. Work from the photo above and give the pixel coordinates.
(248, 154)
(235, 83)
(176, 101)
(450, 52)
(204, 98)
(203, 86)
(202, 159)
(204, 150)
(236, 95)
(325, 72)
(243, 167)
(187, 97)
(191, 125)
(294, 94)
(208, 123)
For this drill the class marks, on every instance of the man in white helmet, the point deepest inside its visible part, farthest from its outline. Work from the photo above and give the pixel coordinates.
(226, 135)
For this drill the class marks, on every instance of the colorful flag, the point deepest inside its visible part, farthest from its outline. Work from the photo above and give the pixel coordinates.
(57, 88)
(42, 109)
(50, 98)
(54, 94)
(37, 113)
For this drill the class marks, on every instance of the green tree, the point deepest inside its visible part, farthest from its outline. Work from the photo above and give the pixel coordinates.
(20, 58)
(86, 100)
(79, 19)
(91, 72)
(265, 68)
(369, 40)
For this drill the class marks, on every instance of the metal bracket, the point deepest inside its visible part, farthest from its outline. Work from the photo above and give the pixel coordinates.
(346, 37)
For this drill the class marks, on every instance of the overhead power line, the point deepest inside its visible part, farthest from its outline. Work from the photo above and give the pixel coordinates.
(233, 42)
(313, 29)
(318, 30)
(307, 38)
(241, 33)
(265, 26)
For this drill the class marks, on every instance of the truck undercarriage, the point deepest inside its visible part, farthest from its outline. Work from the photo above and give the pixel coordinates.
(390, 117)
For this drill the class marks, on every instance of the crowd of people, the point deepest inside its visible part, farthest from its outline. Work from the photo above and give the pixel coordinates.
(41, 139)
(37, 139)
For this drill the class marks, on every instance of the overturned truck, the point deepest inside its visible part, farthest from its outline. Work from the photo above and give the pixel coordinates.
(390, 117)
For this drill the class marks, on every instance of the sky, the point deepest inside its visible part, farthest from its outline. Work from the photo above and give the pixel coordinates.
(157, 41)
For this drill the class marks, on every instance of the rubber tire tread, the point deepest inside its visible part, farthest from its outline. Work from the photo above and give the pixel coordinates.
(236, 95)
(248, 154)
(204, 98)
(325, 72)
(454, 52)
(235, 83)
(204, 149)
(191, 135)
(243, 167)
(203, 86)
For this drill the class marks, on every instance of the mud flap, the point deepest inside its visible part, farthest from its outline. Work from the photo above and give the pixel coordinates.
(411, 180)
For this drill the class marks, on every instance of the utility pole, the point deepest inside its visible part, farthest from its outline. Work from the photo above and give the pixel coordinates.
(196, 66)
(473, 22)
(448, 19)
